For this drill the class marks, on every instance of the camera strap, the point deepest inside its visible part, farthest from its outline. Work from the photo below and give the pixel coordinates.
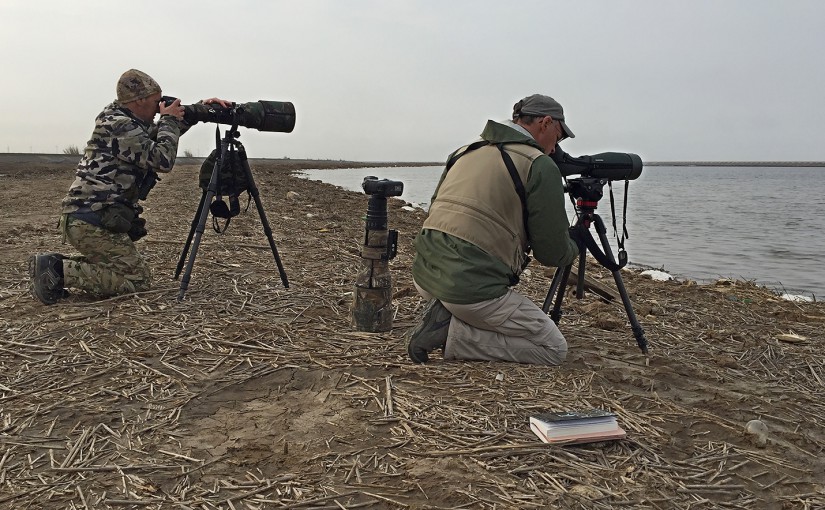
(231, 182)
(622, 255)
(218, 207)
(583, 236)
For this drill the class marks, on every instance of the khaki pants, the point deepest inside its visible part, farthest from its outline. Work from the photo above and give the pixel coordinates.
(508, 328)
(110, 263)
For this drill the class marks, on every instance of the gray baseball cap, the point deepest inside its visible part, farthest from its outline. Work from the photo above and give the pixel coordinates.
(540, 105)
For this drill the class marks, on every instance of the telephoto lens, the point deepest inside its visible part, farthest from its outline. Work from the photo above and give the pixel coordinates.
(269, 116)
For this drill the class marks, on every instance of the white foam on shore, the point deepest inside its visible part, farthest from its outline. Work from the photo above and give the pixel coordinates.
(796, 297)
(412, 206)
(659, 276)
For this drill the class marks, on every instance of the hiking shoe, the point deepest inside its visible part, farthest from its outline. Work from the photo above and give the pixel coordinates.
(431, 333)
(46, 272)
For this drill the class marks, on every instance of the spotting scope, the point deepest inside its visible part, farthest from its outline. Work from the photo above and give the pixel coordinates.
(606, 165)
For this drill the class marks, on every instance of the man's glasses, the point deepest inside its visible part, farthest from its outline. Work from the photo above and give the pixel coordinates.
(562, 134)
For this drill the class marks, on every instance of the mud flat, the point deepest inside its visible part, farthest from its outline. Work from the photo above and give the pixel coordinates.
(249, 395)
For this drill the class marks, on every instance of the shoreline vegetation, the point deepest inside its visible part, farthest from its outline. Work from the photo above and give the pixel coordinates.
(300, 164)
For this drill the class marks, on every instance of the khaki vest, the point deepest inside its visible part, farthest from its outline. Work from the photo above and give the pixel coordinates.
(477, 202)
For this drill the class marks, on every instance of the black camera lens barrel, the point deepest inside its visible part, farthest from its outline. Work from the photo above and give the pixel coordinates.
(377, 213)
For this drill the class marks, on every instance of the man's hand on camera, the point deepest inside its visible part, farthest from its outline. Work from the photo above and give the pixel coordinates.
(214, 100)
(174, 109)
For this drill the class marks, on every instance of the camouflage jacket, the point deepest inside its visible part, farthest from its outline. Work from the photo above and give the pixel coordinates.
(122, 151)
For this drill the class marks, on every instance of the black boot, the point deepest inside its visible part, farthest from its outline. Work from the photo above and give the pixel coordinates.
(46, 271)
(430, 334)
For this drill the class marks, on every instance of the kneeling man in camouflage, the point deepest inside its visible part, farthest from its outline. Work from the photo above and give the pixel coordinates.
(100, 214)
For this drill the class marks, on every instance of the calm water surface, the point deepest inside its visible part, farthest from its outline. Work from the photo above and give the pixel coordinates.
(703, 223)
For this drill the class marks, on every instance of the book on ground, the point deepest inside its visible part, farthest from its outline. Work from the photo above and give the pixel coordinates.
(584, 426)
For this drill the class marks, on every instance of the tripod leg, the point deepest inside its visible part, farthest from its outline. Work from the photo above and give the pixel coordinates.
(203, 215)
(253, 190)
(554, 287)
(557, 287)
(185, 251)
(638, 331)
(582, 267)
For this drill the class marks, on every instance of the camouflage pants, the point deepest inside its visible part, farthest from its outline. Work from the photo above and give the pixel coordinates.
(110, 263)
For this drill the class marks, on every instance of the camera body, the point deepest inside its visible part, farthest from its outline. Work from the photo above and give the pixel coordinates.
(271, 116)
(382, 187)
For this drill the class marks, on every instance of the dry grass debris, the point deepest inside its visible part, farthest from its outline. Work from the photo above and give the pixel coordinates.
(249, 395)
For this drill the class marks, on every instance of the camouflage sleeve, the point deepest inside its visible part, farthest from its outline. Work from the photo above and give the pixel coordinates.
(154, 149)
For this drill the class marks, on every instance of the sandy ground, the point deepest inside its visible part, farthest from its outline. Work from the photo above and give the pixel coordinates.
(249, 395)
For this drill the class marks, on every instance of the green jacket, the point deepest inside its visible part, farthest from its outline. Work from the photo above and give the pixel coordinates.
(457, 271)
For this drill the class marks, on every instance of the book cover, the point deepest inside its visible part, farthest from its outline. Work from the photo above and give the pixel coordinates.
(592, 437)
(578, 426)
(562, 416)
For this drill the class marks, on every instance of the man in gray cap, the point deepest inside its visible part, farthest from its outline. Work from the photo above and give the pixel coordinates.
(497, 199)
(101, 211)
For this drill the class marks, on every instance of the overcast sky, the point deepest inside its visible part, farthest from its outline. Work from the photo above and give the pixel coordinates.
(393, 80)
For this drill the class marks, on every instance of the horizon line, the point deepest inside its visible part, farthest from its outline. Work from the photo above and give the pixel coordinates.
(436, 163)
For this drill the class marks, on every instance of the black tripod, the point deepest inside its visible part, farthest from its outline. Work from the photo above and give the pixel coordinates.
(230, 146)
(588, 192)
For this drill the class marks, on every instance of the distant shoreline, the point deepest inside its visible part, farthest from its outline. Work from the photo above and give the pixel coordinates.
(11, 158)
(27, 157)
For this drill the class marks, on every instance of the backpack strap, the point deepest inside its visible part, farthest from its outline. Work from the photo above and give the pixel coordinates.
(470, 148)
(511, 169)
(522, 193)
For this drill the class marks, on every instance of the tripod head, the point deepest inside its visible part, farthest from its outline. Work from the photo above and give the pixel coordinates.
(585, 192)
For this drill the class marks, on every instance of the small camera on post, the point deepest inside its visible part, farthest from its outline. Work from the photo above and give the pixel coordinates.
(372, 309)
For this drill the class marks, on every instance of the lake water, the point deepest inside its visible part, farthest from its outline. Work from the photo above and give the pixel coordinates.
(760, 224)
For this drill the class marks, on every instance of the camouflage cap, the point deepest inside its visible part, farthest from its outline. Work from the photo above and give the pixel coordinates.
(134, 85)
